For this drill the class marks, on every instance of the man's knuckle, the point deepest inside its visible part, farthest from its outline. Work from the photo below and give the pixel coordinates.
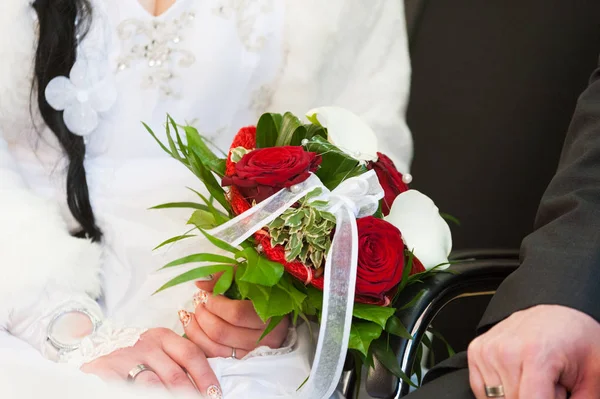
(474, 348)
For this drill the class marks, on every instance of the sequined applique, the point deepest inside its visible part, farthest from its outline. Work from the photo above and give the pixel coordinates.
(246, 14)
(157, 43)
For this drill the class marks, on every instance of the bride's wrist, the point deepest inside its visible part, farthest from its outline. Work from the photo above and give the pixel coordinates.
(106, 339)
(67, 329)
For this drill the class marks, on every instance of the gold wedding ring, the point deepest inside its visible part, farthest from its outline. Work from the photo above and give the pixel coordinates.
(494, 392)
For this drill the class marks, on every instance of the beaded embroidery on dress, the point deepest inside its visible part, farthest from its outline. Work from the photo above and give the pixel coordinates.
(157, 43)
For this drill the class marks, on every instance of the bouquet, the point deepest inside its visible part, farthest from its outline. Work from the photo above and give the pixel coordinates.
(312, 222)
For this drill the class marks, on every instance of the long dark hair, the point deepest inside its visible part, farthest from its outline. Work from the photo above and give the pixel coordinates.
(62, 23)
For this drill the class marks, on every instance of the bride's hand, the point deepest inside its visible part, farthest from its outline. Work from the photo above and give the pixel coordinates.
(220, 324)
(168, 356)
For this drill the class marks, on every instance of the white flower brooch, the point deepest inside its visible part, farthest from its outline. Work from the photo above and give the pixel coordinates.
(86, 93)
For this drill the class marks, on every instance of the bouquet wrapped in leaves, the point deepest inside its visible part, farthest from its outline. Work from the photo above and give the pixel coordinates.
(319, 226)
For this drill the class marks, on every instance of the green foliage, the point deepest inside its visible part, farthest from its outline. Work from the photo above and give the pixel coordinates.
(305, 232)
(173, 240)
(336, 166)
(196, 156)
(292, 131)
(195, 274)
(260, 270)
(376, 314)
(395, 327)
(205, 257)
(386, 356)
(238, 153)
(362, 334)
(267, 130)
(203, 219)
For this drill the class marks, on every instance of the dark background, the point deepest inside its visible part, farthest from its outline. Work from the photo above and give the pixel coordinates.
(494, 86)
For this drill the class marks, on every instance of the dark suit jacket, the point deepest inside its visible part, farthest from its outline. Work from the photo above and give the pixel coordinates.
(561, 259)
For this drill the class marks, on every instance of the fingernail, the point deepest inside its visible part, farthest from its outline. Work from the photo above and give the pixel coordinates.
(200, 297)
(185, 317)
(214, 392)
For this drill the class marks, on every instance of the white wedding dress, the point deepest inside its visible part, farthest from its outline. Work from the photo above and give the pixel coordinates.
(217, 65)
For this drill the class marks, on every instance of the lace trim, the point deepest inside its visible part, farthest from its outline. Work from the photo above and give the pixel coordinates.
(107, 339)
(287, 347)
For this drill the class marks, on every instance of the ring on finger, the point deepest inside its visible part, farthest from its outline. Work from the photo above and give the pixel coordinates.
(494, 392)
(233, 354)
(136, 371)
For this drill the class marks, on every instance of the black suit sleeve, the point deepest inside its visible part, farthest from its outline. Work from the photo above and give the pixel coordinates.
(561, 259)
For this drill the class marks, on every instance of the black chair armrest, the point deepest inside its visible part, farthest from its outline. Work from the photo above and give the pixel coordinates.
(472, 277)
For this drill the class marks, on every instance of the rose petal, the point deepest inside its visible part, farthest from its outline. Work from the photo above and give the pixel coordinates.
(80, 118)
(60, 93)
(425, 232)
(348, 132)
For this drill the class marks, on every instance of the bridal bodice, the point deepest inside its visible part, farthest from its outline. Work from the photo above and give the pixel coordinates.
(206, 63)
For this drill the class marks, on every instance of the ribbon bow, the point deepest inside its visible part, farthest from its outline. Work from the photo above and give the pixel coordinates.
(354, 198)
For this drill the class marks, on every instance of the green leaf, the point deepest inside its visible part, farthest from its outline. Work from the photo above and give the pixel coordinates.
(406, 272)
(267, 130)
(418, 371)
(220, 217)
(314, 120)
(197, 145)
(174, 239)
(269, 302)
(336, 166)
(224, 282)
(292, 131)
(165, 149)
(204, 257)
(413, 301)
(194, 274)
(394, 326)
(260, 270)
(219, 243)
(376, 314)
(297, 296)
(438, 335)
(315, 130)
(388, 359)
(171, 142)
(315, 297)
(203, 220)
(274, 322)
(234, 292)
(450, 218)
(186, 205)
(362, 334)
(209, 180)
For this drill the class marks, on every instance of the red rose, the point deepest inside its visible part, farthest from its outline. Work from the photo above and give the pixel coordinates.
(390, 179)
(380, 257)
(263, 172)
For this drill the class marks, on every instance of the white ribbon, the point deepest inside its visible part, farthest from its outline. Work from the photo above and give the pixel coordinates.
(354, 198)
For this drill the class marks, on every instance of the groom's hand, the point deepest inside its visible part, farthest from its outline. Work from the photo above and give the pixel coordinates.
(539, 353)
(221, 324)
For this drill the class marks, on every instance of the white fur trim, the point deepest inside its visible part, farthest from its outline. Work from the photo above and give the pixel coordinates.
(36, 249)
(17, 54)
